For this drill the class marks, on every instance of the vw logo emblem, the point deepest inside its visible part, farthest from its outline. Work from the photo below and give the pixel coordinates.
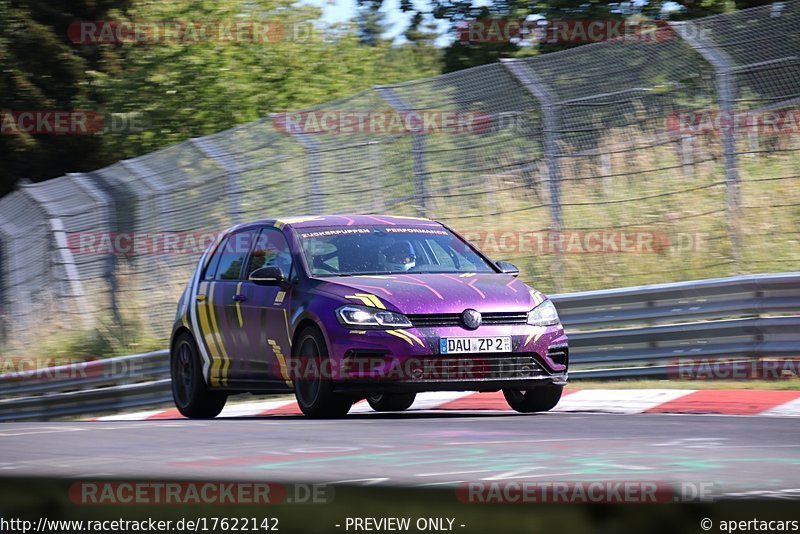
(471, 319)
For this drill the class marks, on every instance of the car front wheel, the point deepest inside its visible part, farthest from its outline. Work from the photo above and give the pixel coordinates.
(538, 399)
(192, 396)
(314, 393)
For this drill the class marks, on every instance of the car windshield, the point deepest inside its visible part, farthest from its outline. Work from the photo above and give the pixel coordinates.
(361, 250)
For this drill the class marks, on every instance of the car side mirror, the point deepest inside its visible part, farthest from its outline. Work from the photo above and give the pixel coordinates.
(268, 276)
(508, 268)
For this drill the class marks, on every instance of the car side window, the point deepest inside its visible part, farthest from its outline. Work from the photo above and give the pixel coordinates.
(270, 249)
(211, 268)
(233, 254)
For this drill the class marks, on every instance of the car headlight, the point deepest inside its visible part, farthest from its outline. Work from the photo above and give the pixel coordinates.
(362, 316)
(543, 315)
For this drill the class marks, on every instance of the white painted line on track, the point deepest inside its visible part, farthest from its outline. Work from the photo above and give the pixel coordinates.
(252, 408)
(509, 475)
(501, 441)
(623, 401)
(134, 416)
(445, 483)
(434, 399)
(41, 430)
(366, 481)
(788, 409)
(455, 473)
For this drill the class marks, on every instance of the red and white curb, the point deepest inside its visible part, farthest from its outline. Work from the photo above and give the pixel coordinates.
(619, 401)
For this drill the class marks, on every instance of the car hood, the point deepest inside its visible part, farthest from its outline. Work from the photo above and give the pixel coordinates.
(435, 293)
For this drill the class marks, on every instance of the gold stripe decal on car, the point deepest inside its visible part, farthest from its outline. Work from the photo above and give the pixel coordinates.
(536, 334)
(279, 298)
(537, 297)
(286, 322)
(205, 327)
(412, 336)
(217, 336)
(367, 300)
(399, 333)
(281, 360)
(239, 305)
(280, 223)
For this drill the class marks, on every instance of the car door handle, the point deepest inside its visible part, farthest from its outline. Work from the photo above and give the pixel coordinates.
(239, 298)
(200, 298)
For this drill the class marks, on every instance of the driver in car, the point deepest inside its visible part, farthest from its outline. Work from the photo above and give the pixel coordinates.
(400, 257)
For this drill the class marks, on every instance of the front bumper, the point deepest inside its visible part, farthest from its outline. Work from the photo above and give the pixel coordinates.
(410, 359)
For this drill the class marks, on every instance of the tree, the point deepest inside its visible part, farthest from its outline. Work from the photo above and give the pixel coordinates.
(462, 54)
(178, 88)
(189, 90)
(43, 70)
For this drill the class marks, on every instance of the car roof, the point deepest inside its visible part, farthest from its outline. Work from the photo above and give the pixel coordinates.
(313, 221)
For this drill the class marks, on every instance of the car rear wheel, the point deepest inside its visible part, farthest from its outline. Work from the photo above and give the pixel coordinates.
(539, 399)
(190, 392)
(315, 394)
(391, 402)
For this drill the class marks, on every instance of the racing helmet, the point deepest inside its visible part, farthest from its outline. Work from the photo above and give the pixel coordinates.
(400, 257)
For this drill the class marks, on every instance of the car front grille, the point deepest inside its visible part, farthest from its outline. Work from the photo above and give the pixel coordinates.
(423, 320)
(475, 367)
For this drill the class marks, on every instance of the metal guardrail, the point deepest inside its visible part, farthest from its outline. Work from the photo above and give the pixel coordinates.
(107, 385)
(633, 332)
(646, 331)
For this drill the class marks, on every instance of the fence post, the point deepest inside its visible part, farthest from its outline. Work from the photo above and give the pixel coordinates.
(101, 197)
(550, 116)
(316, 205)
(551, 121)
(64, 254)
(724, 77)
(417, 148)
(210, 150)
(6, 238)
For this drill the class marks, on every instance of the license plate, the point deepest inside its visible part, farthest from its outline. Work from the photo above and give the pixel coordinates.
(455, 345)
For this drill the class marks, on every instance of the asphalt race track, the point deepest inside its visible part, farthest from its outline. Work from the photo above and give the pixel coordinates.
(741, 455)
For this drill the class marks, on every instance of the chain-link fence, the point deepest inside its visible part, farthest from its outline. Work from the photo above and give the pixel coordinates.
(612, 164)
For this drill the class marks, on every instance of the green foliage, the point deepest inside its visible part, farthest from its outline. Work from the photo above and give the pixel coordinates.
(460, 55)
(177, 90)
(41, 69)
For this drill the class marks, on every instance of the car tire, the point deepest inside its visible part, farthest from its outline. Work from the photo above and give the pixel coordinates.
(391, 402)
(191, 394)
(315, 395)
(538, 399)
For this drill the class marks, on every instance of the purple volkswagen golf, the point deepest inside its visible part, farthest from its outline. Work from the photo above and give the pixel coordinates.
(340, 308)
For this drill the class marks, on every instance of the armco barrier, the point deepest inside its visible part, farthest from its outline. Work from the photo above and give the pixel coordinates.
(633, 332)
